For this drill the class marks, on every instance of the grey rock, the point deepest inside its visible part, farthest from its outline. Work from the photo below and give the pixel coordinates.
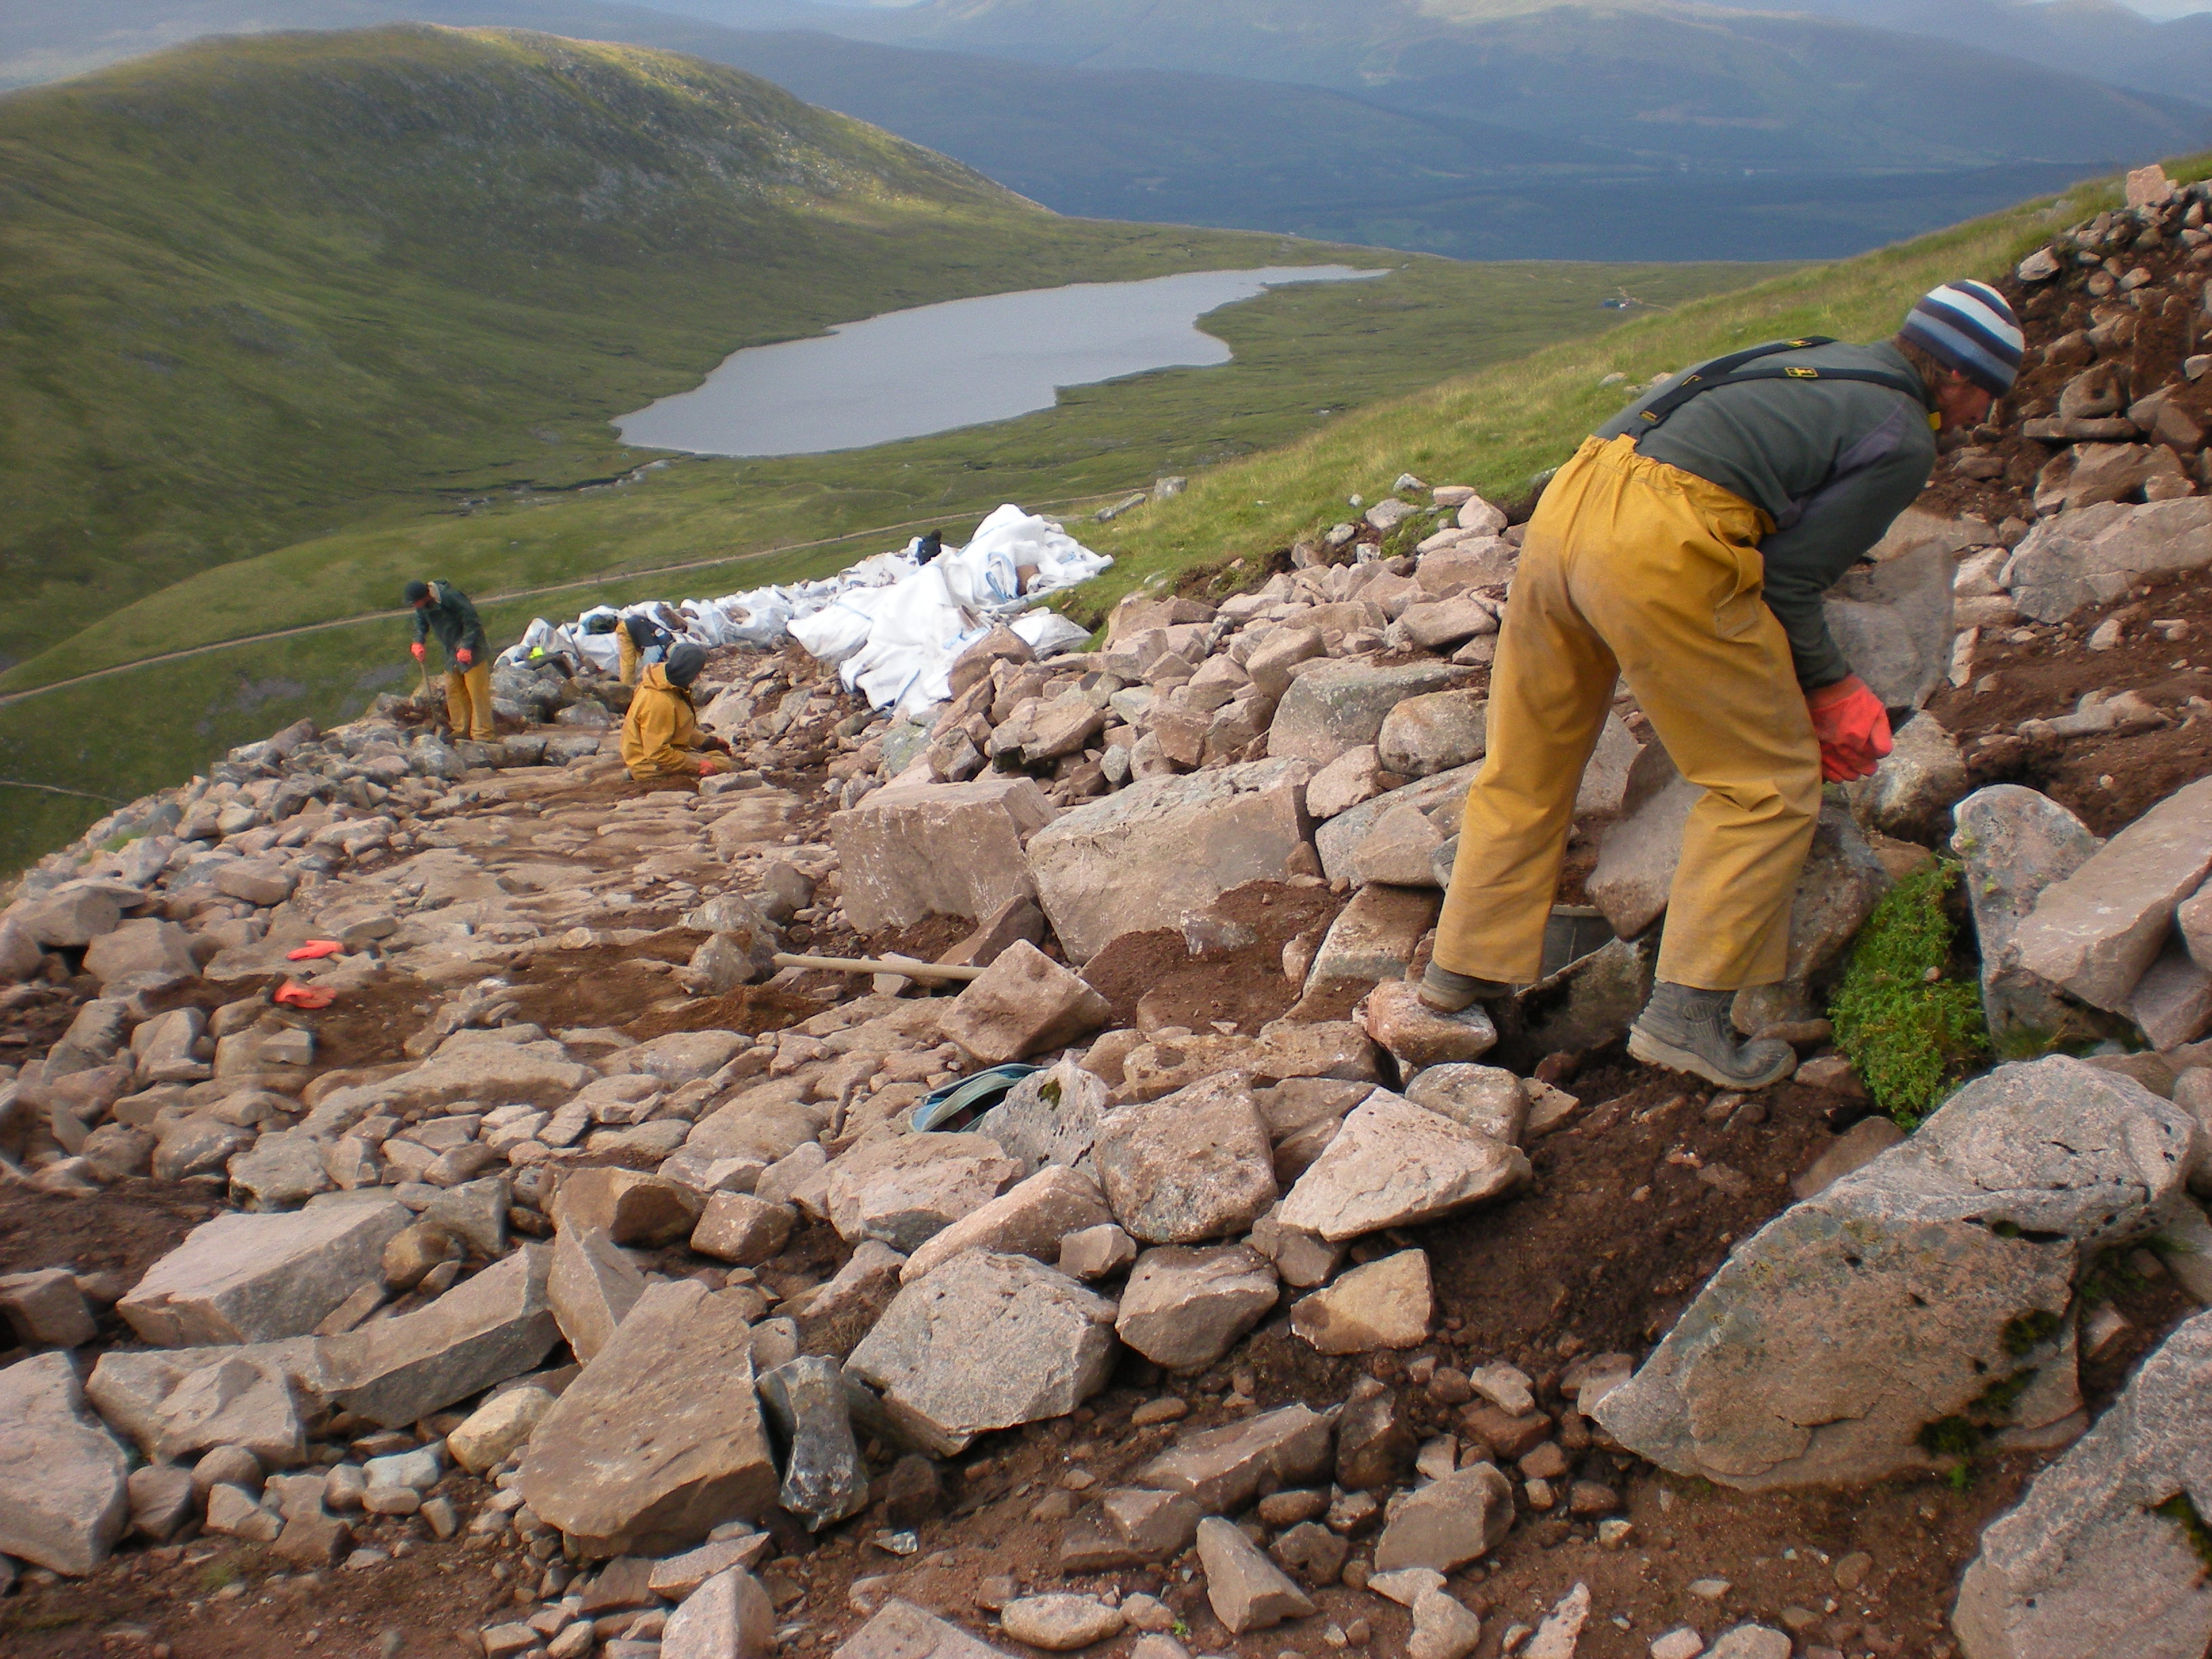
(900, 1630)
(279, 1171)
(1395, 1163)
(1058, 1622)
(1434, 732)
(1029, 1218)
(1147, 855)
(62, 1494)
(986, 1342)
(1487, 1099)
(1185, 1307)
(743, 1229)
(1374, 939)
(824, 1478)
(483, 1331)
(2015, 843)
(1222, 1470)
(1638, 855)
(1440, 796)
(591, 1288)
(952, 849)
(2097, 1559)
(1385, 1303)
(832, 1318)
(1192, 1165)
(1132, 1525)
(161, 1501)
(255, 1278)
(1451, 1521)
(74, 913)
(1022, 1004)
(659, 1439)
(1892, 622)
(46, 1308)
(2093, 555)
(158, 949)
(1330, 709)
(903, 1190)
(728, 1617)
(1049, 1117)
(1953, 1258)
(1914, 787)
(2096, 932)
(1247, 1591)
(240, 1401)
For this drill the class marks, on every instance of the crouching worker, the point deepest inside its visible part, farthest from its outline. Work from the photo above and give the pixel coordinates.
(1686, 549)
(443, 609)
(661, 738)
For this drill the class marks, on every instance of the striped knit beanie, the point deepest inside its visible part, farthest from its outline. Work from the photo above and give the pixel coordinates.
(1969, 327)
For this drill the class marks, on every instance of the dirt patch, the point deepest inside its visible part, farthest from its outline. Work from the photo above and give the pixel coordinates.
(1153, 979)
(2109, 779)
(122, 1229)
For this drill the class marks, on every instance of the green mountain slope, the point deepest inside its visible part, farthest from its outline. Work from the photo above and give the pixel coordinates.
(258, 289)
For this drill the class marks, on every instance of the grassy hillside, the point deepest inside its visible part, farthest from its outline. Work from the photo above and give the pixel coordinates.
(260, 289)
(1498, 427)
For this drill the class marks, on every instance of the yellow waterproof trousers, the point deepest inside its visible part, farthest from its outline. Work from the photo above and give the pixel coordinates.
(1634, 568)
(468, 704)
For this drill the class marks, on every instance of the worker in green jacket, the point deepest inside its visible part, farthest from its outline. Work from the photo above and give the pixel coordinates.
(443, 609)
(1686, 547)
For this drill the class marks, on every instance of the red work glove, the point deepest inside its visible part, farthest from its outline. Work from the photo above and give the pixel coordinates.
(467, 658)
(417, 649)
(1853, 728)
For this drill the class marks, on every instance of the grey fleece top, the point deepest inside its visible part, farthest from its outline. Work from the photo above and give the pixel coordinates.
(1831, 461)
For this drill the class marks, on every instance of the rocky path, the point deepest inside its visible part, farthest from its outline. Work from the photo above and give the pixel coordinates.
(535, 1267)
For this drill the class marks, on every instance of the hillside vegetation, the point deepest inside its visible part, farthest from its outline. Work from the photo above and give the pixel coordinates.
(1649, 131)
(260, 289)
(1498, 427)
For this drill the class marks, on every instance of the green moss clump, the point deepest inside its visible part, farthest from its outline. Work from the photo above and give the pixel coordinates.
(2183, 1513)
(2030, 1330)
(1908, 1035)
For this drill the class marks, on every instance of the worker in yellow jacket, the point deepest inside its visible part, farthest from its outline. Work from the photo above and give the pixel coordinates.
(661, 737)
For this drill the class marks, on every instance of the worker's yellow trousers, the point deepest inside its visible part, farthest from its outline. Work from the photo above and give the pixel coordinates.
(1637, 569)
(468, 704)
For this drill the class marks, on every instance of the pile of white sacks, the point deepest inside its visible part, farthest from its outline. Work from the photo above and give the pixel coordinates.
(892, 625)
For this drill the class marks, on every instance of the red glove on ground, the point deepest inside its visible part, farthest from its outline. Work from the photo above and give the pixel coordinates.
(1852, 726)
(417, 649)
(466, 657)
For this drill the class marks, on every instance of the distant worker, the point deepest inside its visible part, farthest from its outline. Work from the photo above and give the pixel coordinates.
(442, 608)
(661, 735)
(1686, 547)
(640, 643)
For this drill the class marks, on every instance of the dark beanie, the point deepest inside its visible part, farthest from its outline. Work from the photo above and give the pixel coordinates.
(417, 591)
(685, 663)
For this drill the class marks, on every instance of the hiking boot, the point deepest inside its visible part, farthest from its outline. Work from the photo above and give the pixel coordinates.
(1443, 992)
(1688, 1030)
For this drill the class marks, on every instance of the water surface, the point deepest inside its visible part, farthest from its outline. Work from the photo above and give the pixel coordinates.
(908, 373)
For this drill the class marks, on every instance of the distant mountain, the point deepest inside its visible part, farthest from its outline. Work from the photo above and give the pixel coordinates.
(2099, 38)
(1685, 83)
(256, 288)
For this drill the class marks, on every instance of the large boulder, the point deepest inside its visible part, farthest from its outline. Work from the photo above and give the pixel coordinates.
(1434, 732)
(2093, 555)
(2096, 932)
(148, 948)
(483, 1331)
(1341, 705)
(1395, 1163)
(1190, 1166)
(660, 1440)
(2015, 843)
(988, 1342)
(1142, 857)
(255, 1278)
(62, 1500)
(938, 849)
(1951, 1259)
(1893, 622)
(1022, 1004)
(2106, 1554)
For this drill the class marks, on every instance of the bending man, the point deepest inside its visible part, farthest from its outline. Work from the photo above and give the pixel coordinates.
(442, 608)
(661, 735)
(1686, 547)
